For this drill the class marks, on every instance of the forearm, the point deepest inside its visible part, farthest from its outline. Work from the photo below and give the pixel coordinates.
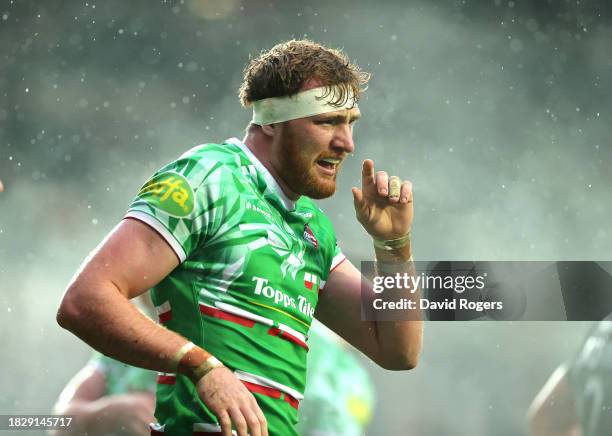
(103, 317)
(399, 342)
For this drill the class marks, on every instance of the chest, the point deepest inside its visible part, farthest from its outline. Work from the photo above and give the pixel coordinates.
(272, 258)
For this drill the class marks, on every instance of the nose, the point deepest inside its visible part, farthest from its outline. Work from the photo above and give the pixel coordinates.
(343, 139)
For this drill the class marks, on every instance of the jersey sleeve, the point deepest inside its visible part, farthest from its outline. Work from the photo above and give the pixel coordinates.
(185, 202)
(337, 259)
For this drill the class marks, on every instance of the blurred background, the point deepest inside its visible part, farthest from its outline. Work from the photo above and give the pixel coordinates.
(498, 111)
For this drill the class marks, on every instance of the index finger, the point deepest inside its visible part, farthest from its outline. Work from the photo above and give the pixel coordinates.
(367, 174)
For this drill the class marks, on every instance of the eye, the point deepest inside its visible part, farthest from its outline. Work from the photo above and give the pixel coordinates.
(332, 121)
(329, 121)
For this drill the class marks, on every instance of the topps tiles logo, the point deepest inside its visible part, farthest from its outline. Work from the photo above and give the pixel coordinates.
(264, 289)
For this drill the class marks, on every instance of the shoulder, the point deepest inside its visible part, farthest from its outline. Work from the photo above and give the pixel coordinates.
(202, 161)
(219, 165)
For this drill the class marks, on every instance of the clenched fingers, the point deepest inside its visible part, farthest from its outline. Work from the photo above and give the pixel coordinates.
(247, 419)
(382, 183)
(230, 400)
(406, 192)
(393, 188)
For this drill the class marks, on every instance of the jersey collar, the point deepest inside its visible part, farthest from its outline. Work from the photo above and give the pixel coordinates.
(271, 182)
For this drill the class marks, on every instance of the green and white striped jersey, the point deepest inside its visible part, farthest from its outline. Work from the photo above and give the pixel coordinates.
(252, 263)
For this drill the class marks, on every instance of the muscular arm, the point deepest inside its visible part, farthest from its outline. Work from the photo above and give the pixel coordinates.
(385, 210)
(394, 345)
(95, 307)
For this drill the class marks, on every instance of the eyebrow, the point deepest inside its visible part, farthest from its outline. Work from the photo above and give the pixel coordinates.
(339, 118)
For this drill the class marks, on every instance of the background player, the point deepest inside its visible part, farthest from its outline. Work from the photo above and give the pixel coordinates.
(577, 399)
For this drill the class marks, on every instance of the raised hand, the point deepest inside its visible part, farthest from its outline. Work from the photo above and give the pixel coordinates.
(384, 211)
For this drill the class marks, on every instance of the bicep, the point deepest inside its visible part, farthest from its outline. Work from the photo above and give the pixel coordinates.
(339, 308)
(134, 257)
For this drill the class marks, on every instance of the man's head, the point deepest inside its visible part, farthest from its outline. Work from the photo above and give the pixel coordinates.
(309, 133)
(287, 67)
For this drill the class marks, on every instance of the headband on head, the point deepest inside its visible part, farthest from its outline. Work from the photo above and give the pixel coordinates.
(303, 104)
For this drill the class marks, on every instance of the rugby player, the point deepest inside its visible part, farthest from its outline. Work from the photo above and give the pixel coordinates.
(577, 399)
(239, 256)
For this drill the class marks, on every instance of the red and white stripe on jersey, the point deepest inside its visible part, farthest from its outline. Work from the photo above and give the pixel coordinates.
(244, 313)
(277, 331)
(337, 260)
(286, 332)
(164, 312)
(262, 320)
(265, 386)
(166, 378)
(212, 311)
(248, 319)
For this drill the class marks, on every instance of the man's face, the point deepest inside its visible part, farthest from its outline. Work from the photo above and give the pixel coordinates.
(311, 150)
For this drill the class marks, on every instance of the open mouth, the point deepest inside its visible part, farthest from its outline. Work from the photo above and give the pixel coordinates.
(329, 165)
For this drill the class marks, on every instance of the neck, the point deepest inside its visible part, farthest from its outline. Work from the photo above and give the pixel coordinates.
(261, 146)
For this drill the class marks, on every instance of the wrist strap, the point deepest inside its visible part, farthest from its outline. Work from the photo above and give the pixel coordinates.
(392, 244)
(194, 362)
(204, 368)
(182, 352)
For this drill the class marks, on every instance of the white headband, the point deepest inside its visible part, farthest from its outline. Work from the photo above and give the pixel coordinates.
(303, 104)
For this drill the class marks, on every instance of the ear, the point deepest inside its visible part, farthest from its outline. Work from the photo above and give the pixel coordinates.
(268, 129)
